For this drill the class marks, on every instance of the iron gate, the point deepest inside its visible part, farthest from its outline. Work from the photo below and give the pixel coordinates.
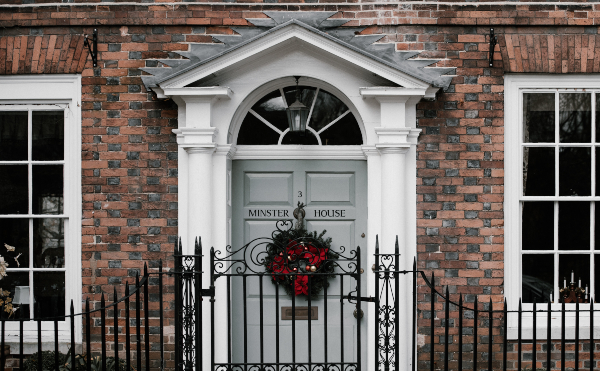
(258, 336)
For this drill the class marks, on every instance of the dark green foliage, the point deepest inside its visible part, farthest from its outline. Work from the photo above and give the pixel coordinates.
(292, 252)
(31, 363)
(64, 361)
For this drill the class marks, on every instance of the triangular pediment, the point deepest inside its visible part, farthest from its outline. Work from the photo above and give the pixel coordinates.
(313, 28)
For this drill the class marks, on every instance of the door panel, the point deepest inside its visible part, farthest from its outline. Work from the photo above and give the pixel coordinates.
(265, 191)
(268, 189)
(331, 189)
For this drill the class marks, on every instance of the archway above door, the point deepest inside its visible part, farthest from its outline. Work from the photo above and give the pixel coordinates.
(330, 120)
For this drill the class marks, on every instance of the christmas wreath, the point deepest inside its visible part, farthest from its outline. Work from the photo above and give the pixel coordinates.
(297, 254)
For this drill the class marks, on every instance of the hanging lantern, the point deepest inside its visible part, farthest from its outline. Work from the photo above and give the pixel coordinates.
(297, 113)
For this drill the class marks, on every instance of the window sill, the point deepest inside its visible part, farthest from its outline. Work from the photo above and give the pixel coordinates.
(555, 323)
(30, 344)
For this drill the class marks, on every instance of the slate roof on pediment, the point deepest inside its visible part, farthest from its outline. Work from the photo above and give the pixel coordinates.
(316, 22)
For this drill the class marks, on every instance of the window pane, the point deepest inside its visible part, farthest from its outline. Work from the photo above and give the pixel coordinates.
(597, 171)
(597, 117)
(538, 118)
(345, 132)
(254, 131)
(272, 108)
(296, 138)
(48, 243)
(596, 277)
(575, 171)
(538, 216)
(15, 287)
(48, 134)
(597, 227)
(13, 189)
(537, 278)
(327, 109)
(577, 263)
(575, 117)
(15, 234)
(13, 136)
(49, 294)
(573, 226)
(47, 189)
(538, 171)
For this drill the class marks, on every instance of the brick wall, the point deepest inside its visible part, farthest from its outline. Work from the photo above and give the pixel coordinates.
(130, 155)
(129, 163)
(91, 13)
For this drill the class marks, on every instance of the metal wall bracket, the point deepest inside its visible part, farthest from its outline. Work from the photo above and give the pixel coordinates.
(94, 47)
(493, 42)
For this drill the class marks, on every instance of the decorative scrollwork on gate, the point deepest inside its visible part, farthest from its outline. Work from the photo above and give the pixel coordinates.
(386, 271)
(288, 367)
(253, 257)
(188, 285)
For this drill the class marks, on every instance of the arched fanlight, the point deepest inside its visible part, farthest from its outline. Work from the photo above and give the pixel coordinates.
(297, 113)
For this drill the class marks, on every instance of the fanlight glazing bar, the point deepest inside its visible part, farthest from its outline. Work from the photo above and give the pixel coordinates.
(333, 122)
(312, 107)
(265, 121)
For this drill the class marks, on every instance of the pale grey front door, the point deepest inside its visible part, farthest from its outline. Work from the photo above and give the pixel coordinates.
(335, 195)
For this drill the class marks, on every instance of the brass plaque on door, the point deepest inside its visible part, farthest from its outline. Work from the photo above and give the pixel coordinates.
(301, 313)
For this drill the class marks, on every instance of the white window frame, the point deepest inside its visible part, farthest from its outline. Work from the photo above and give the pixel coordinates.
(514, 87)
(59, 92)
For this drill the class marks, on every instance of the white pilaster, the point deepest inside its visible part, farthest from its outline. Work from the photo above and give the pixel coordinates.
(221, 214)
(196, 140)
(203, 197)
(373, 230)
(396, 143)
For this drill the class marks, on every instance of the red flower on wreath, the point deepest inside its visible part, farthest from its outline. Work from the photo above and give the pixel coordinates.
(314, 255)
(301, 285)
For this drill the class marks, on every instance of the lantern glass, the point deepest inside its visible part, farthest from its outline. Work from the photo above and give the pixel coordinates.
(297, 114)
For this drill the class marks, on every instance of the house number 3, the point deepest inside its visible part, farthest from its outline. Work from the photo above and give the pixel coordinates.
(299, 193)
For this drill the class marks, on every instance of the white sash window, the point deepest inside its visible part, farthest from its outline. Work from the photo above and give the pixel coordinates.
(40, 199)
(552, 189)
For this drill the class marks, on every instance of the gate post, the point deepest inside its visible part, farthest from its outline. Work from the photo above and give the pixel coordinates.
(191, 349)
(390, 347)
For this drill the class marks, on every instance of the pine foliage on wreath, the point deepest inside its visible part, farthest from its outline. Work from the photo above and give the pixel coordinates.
(300, 254)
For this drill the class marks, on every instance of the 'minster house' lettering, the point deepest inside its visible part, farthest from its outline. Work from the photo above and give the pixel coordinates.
(270, 213)
(330, 213)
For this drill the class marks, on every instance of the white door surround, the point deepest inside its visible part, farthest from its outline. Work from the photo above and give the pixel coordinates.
(209, 120)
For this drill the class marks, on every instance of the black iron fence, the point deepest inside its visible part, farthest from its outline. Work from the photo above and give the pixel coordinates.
(478, 337)
(453, 334)
(135, 320)
(456, 335)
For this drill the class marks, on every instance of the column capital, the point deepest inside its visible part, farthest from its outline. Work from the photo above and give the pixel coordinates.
(196, 138)
(195, 104)
(398, 105)
(388, 148)
(395, 136)
(200, 150)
